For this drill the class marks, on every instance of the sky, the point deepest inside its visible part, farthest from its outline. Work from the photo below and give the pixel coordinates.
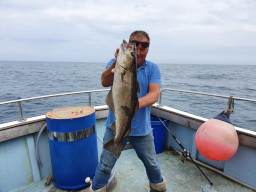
(181, 32)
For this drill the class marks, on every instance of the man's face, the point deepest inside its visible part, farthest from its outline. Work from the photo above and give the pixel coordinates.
(141, 52)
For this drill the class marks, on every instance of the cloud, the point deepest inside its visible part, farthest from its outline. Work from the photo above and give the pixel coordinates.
(91, 30)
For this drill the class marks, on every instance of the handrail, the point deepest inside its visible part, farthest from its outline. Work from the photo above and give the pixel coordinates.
(48, 96)
(54, 95)
(103, 90)
(202, 93)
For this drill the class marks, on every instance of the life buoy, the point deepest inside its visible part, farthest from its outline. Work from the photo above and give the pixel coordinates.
(217, 140)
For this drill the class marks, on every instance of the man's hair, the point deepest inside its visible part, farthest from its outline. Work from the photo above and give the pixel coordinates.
(139, 33)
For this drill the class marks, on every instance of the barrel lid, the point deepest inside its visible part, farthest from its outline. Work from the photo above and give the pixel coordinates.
(70, 112)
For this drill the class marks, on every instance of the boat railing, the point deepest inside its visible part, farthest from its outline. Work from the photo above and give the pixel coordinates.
(202, 93)
(19, 101)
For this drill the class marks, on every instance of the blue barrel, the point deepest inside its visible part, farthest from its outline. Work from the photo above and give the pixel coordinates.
(73, 145)
(159, 132)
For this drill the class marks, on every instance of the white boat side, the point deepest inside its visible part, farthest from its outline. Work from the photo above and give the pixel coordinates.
(17, 147)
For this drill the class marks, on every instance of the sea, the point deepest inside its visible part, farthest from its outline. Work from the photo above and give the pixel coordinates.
(26, 79)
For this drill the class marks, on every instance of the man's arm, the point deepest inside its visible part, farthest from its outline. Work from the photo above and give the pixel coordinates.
(107, 76)
(151, 97)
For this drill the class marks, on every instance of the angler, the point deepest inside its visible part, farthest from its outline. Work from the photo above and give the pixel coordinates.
(139, 135)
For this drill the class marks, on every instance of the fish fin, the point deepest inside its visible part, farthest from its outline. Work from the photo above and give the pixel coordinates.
(115, 148)
(109, 102)
(128, 128)
(128, 131)
(113, 70)
(113, 127)
(137, 107)
(138, 85)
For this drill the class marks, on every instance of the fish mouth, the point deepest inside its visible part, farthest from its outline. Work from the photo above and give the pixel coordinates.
(127, 46)
(130, 46)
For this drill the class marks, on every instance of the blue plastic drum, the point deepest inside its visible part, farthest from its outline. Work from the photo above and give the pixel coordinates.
(73, 145)
(159, 132)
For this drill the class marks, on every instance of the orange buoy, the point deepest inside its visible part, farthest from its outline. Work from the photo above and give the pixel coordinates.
(217, 139)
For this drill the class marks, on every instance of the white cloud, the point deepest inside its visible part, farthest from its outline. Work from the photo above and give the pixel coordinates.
(90, 30)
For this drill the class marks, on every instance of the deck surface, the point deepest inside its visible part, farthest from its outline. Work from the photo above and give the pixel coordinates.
(180, 177)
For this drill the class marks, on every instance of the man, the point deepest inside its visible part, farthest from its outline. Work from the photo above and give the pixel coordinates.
(141, 136)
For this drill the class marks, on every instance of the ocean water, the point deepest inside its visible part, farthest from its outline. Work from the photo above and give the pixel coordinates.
(30, 79)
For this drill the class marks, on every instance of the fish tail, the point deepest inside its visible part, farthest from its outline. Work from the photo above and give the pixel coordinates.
(115, 148)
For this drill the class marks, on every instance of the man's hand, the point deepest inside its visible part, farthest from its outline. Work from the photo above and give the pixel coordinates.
(116, 53)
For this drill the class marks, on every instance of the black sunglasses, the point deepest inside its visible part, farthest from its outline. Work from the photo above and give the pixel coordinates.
(143, 44)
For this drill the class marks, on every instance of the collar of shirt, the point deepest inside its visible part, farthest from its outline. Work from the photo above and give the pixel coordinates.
(142, 66)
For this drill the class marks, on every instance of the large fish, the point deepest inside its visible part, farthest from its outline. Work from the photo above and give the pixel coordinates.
(122, 99)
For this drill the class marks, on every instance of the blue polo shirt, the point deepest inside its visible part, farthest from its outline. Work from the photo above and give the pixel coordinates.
(147, 73)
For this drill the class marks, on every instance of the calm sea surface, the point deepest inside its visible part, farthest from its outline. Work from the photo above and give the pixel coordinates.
(30, 79)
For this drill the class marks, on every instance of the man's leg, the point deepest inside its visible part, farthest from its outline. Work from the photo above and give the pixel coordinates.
(145, 149)
(107, 162)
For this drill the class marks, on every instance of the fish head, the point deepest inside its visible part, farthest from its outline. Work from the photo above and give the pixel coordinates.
(127, 57)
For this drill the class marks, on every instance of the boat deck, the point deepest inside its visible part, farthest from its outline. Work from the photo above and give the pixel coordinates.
(180, 177)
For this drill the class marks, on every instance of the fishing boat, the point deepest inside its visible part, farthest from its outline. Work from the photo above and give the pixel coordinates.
(23, 140)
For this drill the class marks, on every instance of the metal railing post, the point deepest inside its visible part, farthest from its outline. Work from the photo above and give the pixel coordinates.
(21, 112)
(90, 99)
(160, 97)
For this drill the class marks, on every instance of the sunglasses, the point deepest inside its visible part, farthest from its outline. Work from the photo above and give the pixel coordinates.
(143, 44)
